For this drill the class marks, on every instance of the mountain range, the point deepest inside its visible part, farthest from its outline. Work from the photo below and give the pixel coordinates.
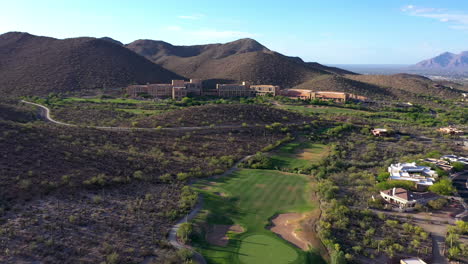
(445, 61)
(243, 59)
(36, 65)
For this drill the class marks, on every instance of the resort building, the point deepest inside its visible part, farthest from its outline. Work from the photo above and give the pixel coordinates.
(451, 130)
(305, 94)
(407, 200)
(412, 261)
(379, 132)
(245, 89)
(265, 89)
(297, 94)
(178, 88)
(421, 175)
(234, 90)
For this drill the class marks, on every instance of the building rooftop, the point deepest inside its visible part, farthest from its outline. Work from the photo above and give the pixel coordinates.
(409, 195)
(412, 261)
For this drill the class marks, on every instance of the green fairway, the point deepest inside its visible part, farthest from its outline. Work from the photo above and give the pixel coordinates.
(258, 249)
(299, 155)
(251, 198)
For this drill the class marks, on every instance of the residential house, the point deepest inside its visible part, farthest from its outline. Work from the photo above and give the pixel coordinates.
(421, 175)
(407, 200)
(454, 158)
(443, 164)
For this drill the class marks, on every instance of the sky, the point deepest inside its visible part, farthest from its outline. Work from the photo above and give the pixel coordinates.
(328, 32)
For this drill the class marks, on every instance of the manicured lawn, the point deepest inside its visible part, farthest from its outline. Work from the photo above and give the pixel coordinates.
(252, 198)
(299, 155)
(258, 249)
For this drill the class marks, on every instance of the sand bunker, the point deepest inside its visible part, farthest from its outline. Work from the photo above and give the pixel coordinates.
(309, 154)
(217, 234)
(285, 226)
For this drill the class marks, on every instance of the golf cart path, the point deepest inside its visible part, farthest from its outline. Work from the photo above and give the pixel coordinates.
(195, 210)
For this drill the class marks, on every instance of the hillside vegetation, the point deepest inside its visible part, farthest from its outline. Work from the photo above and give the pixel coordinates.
(72, 194)
(33, 65)
(223, 114)
(403, 83)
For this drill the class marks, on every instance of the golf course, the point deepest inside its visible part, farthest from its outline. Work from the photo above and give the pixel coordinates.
(243, 204)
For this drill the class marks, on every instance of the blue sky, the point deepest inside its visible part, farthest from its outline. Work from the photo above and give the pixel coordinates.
(331, 32)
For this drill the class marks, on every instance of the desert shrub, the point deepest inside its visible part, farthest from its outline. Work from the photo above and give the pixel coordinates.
(184, 232)
(438, 204)
(258, 161)
(327, 189)
(395, 184)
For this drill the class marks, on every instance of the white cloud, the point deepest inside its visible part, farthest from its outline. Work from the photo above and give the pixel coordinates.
(457, 20)
(192, 17)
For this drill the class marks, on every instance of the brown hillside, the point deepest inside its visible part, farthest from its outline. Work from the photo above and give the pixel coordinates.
(240, 60)
(415, 84)
(32, 65)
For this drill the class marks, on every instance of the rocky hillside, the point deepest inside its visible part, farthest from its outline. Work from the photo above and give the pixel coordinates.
(445, 61)
(34, 65)
(240, 60)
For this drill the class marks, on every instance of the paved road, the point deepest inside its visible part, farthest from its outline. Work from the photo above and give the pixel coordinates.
(45, 114)
(435, 225)
(460, 181)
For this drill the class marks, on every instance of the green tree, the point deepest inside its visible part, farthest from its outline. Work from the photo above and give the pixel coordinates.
(458, 166)
(442, 187)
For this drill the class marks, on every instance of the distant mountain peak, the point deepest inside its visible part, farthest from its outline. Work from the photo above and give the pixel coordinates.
(112, 40)
(446, 61)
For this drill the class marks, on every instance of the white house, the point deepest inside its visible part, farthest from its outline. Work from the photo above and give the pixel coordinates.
(421, 175)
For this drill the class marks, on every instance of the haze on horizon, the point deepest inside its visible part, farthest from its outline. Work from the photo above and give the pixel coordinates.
(332, 32)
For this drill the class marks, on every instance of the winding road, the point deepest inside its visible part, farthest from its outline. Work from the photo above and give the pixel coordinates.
(172, 237)
(45, 114)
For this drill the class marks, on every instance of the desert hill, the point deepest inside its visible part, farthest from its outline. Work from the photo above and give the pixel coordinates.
(240, 60)
(34, 65)
(414, 84)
